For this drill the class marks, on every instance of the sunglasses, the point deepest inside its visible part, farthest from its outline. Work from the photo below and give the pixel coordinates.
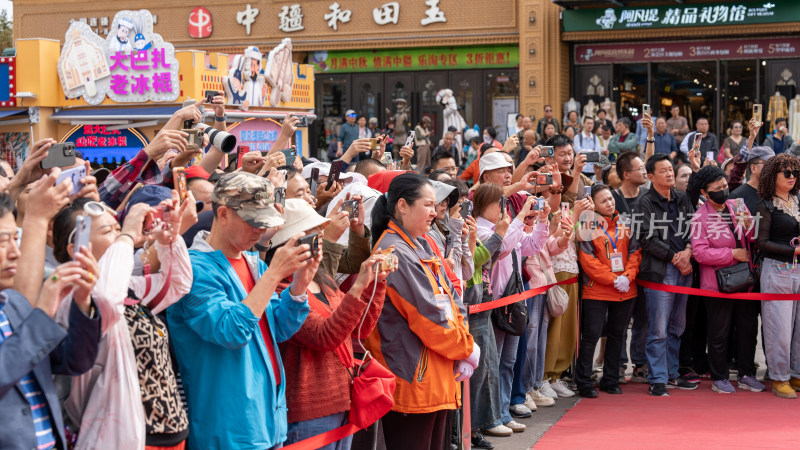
(351, 115)
(791, 173)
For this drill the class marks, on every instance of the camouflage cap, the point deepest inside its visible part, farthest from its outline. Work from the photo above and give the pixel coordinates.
(251, 196)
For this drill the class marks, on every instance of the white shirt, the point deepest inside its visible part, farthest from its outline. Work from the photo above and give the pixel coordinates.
(586, 143)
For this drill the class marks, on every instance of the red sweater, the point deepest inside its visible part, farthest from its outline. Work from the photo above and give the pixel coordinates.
(317, 384)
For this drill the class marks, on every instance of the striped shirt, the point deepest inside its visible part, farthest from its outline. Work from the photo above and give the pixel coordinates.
(45, 438)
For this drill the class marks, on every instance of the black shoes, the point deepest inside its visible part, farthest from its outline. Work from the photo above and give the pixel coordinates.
(614, 389)
(588, 393)
(681, 383)
(478, 441)
(658, 390)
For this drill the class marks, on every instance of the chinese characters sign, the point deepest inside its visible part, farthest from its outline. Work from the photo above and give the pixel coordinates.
(132, 64)
(684, 51)
(258, 134)
(415, 59)
(96, 142)
(672, 16)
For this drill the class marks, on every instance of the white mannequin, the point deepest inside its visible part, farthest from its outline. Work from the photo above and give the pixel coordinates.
(571, 105)
(611, 110)
(794, 117)
(590, 110)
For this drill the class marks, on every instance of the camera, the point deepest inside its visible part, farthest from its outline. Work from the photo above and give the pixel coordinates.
(195, 138)
(592, 157)
(374, 144)
(388, 263)
(313, 242)
(302, 121)
(538, 205)
(351, 206)
(547, 151)
(221, 139)
(161, 215)
(210, 96)
(544, 179)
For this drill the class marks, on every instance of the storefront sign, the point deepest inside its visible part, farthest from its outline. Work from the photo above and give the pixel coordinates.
(8, 78)
(258, 134)
(132, 64)
(96, 142)
(678, 16)
(685, 51)
(200, 25)
(415, 59)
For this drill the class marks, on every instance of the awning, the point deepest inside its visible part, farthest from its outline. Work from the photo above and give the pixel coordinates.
(12, 112)
(14, 117)
(116, 114)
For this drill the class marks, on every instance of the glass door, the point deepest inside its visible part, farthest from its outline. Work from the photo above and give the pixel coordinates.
(690, 85)
(502, 99)
(332, 102)
(738, 94)
(368, 95)
(427, 85)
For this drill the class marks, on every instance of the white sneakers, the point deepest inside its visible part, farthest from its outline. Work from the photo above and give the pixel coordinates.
(561, 389)
(548, 391)
(539, 399)
(529, 403)
(516, 427)
(500, 431)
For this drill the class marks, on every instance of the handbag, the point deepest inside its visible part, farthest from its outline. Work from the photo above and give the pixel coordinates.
(557, 297)
(371, 384)
(512, 319)
(738, 277)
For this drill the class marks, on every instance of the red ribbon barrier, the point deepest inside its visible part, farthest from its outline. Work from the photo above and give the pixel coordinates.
(707, 293)
(473, 309)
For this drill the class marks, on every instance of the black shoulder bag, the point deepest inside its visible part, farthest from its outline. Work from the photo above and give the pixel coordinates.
(512, 319)
(738, 277)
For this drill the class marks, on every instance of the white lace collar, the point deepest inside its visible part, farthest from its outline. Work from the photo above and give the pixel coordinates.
(793, 210)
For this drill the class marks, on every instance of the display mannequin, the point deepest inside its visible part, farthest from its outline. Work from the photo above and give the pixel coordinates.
(611, 109)
(794, 117)
(590, 110)
(571, 105)
(778, 109)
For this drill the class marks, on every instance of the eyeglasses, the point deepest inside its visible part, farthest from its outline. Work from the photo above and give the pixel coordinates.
(791, 173)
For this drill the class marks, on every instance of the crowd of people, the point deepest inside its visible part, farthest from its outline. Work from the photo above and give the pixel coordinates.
(136, 314)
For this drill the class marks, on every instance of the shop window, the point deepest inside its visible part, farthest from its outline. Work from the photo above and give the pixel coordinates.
(502, 100)
(631, 87)
(691, 86)
(333, 105)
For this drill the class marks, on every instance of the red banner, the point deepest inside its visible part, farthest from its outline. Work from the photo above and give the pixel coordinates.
(787, 47)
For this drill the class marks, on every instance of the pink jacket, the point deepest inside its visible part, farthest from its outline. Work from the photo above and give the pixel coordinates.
(713, 242)
(536, 272)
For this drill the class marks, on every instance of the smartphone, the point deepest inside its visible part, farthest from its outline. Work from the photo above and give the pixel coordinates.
(240, 152)
(374, 144)
(179, 181)
(161, 215)
(539, 204)
(646, 109)
(503, 206)
(75, 174)
(587, 191)
(302, 121)
(466, 209)
(312, 241)
(739, 205)
(757, 113)
(83, 228)
(351, 206)
(698, 139)
(410, 139)
(547, 151)
(314, 183)
(592, 157)
(280, 196)
(210, 96)
(388, 263)
(336, 170)
(564, 209)
(710, 155)
(544, 179)
(290, 154)
(59, 155)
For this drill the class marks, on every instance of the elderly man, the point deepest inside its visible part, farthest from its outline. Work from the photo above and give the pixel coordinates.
(665, 142)
(347, 134)
(677, 125)
(449, 145)
(225, 331)
(548, 118)
(708, 144)
(624, 140)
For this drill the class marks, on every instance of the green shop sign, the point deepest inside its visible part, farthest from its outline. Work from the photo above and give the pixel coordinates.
(436, 58)
(678, 16)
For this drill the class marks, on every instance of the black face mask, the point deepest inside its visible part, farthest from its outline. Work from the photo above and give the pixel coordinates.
(718, 197)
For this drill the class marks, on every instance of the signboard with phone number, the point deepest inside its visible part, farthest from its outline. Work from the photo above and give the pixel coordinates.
(788, 47)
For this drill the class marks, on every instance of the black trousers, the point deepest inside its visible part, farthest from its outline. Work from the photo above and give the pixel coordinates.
(415, 431)
(743, 315)
(594, 313)
(695, 335)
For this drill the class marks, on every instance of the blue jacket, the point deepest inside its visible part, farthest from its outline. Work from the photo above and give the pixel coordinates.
(42, 346)
(225, 366)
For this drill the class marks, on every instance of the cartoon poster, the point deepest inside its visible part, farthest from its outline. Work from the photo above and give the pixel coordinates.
(280, 73)
(14, 148)
(133, 64)
(245, 85)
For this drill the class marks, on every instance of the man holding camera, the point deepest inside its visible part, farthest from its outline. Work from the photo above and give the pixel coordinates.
(225, 331)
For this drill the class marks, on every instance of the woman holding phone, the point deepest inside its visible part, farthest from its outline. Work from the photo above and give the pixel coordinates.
(421, 335)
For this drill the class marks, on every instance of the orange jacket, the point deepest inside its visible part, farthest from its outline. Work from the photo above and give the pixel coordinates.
(595, 259)
(416, 338)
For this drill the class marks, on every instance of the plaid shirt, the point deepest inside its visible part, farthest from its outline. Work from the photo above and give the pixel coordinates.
(140, 169)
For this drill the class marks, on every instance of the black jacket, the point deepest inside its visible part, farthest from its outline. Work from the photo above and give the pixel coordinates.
(656, 252)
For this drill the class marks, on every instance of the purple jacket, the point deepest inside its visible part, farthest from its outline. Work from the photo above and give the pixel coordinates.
(713, 242)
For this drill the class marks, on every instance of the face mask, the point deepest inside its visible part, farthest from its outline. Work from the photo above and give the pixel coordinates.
(487, 139)
(718, 197)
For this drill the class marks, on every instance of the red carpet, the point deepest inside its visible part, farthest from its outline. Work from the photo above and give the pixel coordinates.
(686, 419)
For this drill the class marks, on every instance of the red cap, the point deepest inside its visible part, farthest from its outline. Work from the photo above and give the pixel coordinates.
(380, 181)
(196, 172)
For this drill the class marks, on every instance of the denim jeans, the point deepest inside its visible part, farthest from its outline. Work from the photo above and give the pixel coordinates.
(666, 316)
(507, 355)
(781, 321)
(484, 392)
(538, 320)
(638, 332)
(517, 389)
(310, 428)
